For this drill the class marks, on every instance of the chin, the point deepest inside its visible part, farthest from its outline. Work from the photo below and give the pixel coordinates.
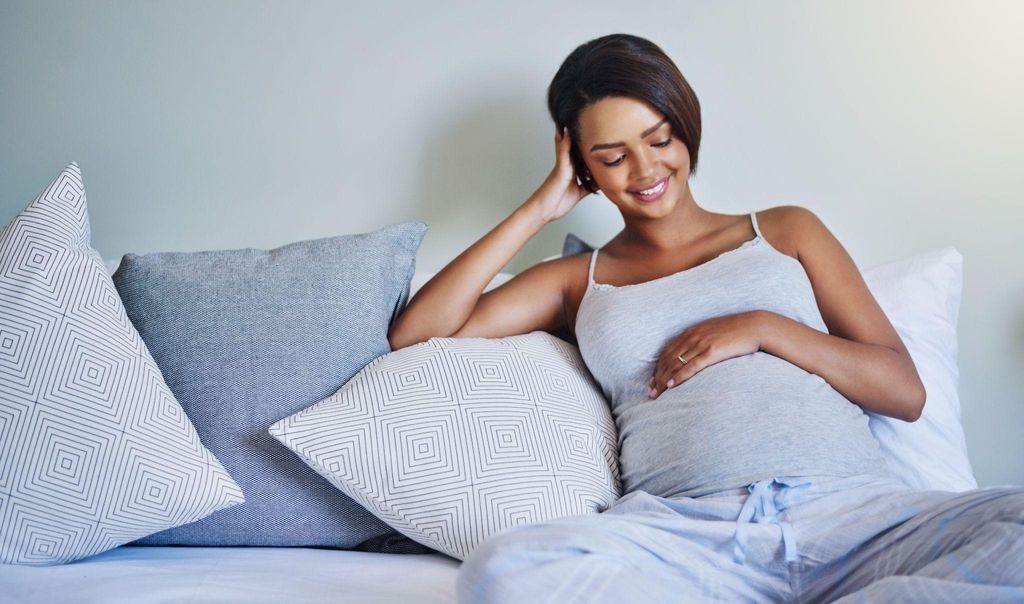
(650, 211)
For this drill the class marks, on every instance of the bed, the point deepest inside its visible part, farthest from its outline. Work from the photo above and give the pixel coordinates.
(920, 294)
(145, 575)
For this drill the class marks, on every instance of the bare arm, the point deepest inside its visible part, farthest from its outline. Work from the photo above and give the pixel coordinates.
(453, 303)
(879, 378)
(862, 356)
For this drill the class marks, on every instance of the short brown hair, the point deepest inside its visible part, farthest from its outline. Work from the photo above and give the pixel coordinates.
(627, 66)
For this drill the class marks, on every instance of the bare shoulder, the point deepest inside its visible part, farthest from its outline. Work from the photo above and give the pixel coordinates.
(563, 270)
(791, 229)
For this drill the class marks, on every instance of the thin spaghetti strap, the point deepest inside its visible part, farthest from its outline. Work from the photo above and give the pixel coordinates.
(753, 221)
(590, 275)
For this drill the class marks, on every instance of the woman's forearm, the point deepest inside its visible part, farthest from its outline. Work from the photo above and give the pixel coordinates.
(445, 302)
(877, 378)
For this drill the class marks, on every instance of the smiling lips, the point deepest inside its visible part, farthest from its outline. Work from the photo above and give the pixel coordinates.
(653, 192)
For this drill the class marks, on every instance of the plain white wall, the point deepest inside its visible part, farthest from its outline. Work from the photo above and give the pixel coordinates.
(205, 125)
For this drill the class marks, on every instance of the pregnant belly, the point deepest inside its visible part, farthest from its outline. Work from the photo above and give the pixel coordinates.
(738, 418)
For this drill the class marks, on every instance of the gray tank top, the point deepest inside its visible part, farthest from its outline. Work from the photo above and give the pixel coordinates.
(735, 422)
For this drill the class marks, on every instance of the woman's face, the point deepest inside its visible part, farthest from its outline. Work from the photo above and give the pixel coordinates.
(632, 155)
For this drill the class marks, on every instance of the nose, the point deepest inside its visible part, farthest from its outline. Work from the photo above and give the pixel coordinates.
(643, 165)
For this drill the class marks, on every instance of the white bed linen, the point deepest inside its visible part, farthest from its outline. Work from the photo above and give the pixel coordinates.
(195, 575)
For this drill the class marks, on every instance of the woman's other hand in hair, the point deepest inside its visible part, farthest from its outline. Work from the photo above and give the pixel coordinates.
(560, 191)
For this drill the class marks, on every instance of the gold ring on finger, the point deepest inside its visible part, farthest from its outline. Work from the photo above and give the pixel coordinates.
(681, 359)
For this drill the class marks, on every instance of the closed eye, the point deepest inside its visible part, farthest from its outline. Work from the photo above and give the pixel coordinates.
(618, 160)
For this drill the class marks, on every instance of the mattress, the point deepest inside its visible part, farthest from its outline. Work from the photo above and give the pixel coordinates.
(195, 575)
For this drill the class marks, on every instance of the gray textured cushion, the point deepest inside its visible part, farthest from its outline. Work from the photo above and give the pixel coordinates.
(94, 450)
(247, 337)
(455, 439)
(574, 245)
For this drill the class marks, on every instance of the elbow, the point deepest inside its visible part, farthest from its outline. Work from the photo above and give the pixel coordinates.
(402, 334)
(912, 415)
(914, 406)
(910, 398)
(403, 338)
(399, 341)
(405, 332)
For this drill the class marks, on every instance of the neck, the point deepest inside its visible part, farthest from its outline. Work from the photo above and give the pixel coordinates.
(687, 222)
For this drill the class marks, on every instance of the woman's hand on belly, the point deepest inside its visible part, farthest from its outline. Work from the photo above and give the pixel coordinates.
(704, 344)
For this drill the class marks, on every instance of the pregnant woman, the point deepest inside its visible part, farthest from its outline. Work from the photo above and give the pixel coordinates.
(739, 354)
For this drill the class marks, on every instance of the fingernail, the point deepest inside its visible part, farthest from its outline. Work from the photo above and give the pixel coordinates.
(651, 393)
(671, 383)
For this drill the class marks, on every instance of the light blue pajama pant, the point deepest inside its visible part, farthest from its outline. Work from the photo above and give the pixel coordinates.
(810, 539)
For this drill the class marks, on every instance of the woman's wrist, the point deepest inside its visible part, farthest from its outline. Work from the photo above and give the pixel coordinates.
(532, 212)
(766, 328)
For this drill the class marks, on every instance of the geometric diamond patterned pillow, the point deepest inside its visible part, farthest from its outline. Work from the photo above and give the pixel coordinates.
(455, 439)
(94, 450)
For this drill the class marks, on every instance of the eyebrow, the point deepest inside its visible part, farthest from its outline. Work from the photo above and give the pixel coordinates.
(643, 135)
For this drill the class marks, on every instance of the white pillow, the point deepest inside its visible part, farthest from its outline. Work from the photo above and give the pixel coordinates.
(921, 296)
(94, 449)
(454, 439)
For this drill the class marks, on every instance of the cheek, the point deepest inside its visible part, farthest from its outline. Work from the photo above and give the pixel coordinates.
(681, 157)
(608, 178)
